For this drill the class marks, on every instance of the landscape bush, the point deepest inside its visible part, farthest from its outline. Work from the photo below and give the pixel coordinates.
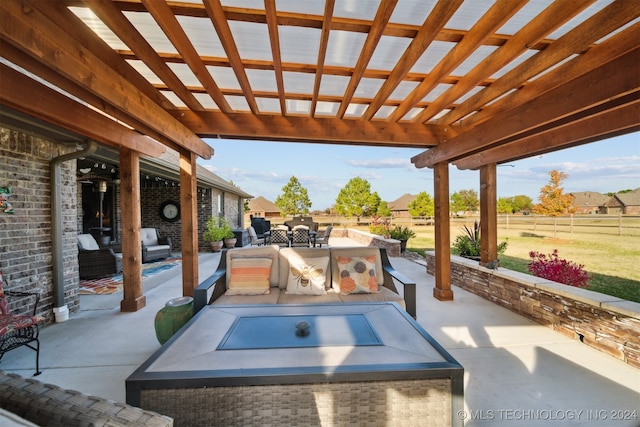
(468, 244)
(552, 267)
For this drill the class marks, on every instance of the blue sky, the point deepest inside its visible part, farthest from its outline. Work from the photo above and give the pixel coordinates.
(262, 168)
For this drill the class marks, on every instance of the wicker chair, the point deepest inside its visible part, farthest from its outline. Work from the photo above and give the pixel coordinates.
(95, 261)
(19, 330)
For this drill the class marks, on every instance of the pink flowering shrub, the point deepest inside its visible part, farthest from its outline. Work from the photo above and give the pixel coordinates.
(559, 270)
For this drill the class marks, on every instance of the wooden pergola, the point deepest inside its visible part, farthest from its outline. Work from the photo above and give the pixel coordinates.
(474, 83)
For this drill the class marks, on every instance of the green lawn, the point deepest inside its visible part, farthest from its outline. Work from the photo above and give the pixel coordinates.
(612, 261)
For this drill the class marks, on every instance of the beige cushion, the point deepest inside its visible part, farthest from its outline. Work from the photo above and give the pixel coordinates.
(351, 252)
(385, 295)
(270, 298)
(297, 255)
(330, 297)
(149, 236)
(87, 242)
(260, 251)
(307, 276)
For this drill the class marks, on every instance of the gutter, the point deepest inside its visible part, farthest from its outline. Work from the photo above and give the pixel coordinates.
(60, 309)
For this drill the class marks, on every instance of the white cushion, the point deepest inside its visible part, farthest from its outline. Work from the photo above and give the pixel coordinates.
(307, 276)
(149, 236)
(87, 242)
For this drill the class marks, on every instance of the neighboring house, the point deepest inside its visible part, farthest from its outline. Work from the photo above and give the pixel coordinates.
(589, 202)
(624, 203)
(261, 207)
(400, 207)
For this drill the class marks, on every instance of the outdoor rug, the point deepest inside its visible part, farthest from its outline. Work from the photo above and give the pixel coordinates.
(110, 285)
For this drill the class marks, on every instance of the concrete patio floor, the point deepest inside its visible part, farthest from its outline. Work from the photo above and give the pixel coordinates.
(516, 371)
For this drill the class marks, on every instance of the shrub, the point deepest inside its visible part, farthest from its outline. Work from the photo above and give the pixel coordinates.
(379, 226)
(468, 244)
(552, 267)
(400, 232)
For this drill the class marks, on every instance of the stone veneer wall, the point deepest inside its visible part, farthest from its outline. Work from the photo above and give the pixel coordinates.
(604, 322)
(367, 239)
(25, 235)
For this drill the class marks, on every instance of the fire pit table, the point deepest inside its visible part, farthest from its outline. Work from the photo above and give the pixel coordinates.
(325, 364)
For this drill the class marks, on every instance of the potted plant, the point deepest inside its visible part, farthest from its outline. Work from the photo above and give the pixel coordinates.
(402, 233)
(217, 230)
(229, 238)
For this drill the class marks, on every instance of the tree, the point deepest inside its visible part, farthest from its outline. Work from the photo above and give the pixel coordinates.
(553, 201)
(356, 199)
(422, 205)
(465, 200)
(522, 203)
(505, 205)
(383, 208)
(514, 204)
(294, 199)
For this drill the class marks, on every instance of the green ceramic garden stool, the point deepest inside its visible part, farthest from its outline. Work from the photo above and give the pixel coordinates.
(172, 317)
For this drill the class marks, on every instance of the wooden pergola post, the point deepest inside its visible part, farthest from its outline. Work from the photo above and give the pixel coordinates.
(442, 291)
(133, 299)
(189, 220)
(488, 216)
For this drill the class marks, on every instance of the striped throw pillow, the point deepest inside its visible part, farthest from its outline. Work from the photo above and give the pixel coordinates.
(249, 276)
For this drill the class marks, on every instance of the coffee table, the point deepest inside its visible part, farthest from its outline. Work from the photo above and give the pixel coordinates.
(364, 363)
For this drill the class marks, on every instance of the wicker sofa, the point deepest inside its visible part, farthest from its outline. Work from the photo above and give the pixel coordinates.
(49, 405)
(305, 276)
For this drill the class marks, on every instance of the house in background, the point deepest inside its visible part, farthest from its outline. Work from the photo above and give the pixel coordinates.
(400, 207)
(624, 203)
(261, 207)
(589, 202)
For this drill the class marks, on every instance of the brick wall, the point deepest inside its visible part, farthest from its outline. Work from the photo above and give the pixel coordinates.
(25, 235)
(607, 323)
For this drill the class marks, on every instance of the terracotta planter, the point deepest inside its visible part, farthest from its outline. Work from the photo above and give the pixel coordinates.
(230, 243)
(216, 246)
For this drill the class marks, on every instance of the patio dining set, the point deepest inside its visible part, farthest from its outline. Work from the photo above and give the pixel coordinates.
(300, 231)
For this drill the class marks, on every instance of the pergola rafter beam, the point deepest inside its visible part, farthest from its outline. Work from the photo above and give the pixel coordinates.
(274, 40)
(60, 52)
(607, 124)
(373, 37)
(123, 28)
(53, 107)
(550, 19)
(582, 93)
(441, 13)
(322, 53)
(216, 14)
(575, 41)
(169, 24)
(496, 16)
(318, 129)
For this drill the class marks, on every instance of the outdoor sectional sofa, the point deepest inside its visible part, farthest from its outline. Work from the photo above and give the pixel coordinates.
(273, 275)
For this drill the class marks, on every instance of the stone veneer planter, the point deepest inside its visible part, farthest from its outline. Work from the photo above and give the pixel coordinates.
(367, 239)
(604, 322)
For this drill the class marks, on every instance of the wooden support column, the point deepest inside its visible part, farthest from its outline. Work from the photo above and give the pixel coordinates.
(488, 216)
(442, 291)
(189, 220)
(133, 300)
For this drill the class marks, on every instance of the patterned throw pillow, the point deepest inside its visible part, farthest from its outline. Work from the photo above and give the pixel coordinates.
(357, 274)
(307, 276)
(249, 276)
